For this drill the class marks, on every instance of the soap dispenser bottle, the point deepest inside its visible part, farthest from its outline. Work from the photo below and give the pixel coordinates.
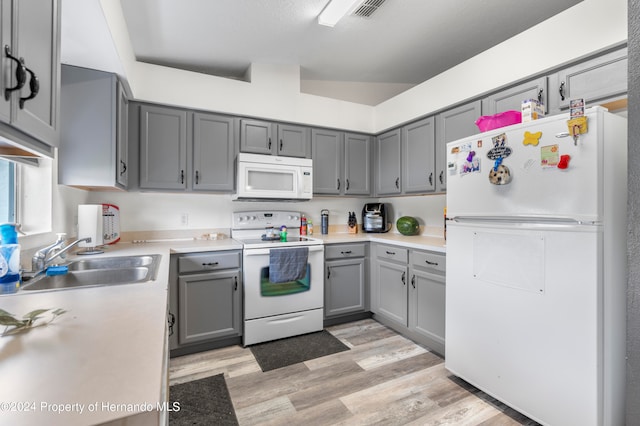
(9, 259)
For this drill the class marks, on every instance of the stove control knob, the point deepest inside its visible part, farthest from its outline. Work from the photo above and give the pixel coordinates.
(253, 218)
(246, 218)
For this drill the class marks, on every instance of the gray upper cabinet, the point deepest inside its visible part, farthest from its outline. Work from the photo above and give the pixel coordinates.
(185, 150)
(122, 139)
(342, 163)
(357, 171)
(328, 160)
(598, 79)
(256, 137)
(452, 125)
(387, 157)
(418, 156)
(93, 149)
(511, 98)
(30, 32)
(213, 153)
(263, 137)
(163, 148)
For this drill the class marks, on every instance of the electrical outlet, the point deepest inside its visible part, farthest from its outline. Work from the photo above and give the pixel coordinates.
(184, 219)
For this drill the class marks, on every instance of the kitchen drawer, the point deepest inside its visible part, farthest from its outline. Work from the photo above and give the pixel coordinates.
(398, 254)
(199, 262)
(432, 262)
(344, 251)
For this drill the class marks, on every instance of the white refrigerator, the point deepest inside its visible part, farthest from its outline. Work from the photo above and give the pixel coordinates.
(537, 266)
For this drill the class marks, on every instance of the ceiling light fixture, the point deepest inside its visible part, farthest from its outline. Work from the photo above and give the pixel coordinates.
(336, 10)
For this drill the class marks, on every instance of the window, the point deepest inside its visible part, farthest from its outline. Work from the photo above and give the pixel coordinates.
(26, 193)
(7, 191)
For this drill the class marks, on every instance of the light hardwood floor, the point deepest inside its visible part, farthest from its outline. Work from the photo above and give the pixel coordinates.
(384, 379)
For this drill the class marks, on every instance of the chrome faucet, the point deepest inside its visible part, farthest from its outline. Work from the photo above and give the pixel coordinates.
(47, 254)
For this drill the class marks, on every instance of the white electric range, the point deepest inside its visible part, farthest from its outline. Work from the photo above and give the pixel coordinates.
(278, 310)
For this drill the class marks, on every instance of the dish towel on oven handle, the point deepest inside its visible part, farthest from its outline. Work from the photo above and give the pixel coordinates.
(288, 264)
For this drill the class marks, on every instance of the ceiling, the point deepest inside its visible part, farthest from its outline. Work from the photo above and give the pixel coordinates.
(404, 43)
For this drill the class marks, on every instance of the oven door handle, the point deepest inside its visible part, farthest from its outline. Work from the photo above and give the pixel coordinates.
(255, 252)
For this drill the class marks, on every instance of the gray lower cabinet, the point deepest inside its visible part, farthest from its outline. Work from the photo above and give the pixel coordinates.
(345, 279)
(408, 292)
(342, 163)
(451, 125)
(185, 150)
(511, 98)
(93, 150)
(389, 291)
(264, 137)
(30, 33)
(427, 298)
(205, 300)
(603, 78)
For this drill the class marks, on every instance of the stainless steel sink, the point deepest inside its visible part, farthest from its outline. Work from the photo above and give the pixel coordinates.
(100, 272)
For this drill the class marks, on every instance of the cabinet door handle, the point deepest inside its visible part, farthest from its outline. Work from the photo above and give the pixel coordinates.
(124, 167)
(197, 177)
(431, 179)
(404, 277)
(431, 263)
(269, 143)
(280, 144)
(392, 253)
(562, 91)
(171, 320)
(210, 264)
(21, 73)
(346, 252)
(441, 176)
(413, 281)
(235, 283)
(34, 86)
(347, 188)
(540, 92)
(338, 184)
(397, 183)
(181, 176)
(328, 272)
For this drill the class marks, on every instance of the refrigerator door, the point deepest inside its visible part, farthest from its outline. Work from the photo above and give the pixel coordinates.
(537, 187)
(523, 317)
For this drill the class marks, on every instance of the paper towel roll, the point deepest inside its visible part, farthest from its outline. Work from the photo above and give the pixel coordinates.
(90, 224)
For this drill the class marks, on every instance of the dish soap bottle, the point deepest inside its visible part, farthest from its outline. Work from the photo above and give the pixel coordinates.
(303, 225)
(309, 227)
(9, 259)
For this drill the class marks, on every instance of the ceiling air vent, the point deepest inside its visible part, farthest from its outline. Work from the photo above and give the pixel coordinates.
(366, 9)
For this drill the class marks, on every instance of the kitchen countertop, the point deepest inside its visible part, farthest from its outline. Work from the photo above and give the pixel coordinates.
(421, 242)
(108, 350)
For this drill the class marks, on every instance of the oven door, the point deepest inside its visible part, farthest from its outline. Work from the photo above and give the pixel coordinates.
(263, 298)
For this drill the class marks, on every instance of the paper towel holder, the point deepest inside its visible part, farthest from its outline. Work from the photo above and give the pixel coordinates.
(90, 224)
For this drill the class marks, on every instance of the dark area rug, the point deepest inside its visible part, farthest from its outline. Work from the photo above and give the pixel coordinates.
(202, 402)
(283, 352)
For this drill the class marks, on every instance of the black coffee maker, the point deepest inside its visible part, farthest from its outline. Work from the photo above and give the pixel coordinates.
(374, 218)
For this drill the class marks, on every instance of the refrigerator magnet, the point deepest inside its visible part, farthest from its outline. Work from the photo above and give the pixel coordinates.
(531, 138)
(549, 156)
(500, 148)
(500, 175)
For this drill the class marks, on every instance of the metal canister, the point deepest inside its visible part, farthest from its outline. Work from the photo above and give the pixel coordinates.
(324, 224)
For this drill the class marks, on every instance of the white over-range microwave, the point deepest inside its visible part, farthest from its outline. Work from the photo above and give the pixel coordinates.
(270, 177)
